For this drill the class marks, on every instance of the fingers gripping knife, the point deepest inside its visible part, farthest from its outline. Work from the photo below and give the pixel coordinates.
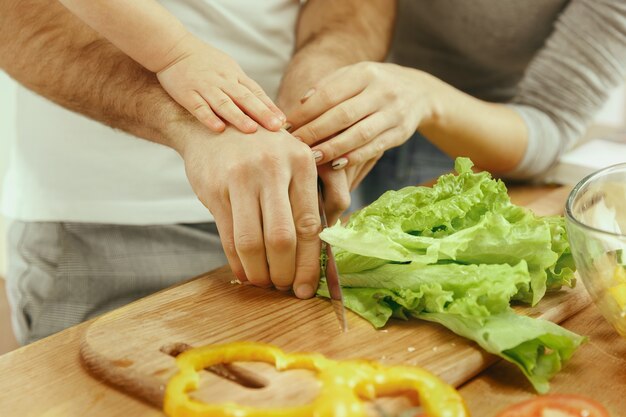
(330, 271)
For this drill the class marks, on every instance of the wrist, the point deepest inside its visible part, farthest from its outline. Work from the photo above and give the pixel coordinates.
(182, 131)
(181, 45)
(433, 98)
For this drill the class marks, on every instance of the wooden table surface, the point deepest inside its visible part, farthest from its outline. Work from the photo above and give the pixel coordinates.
(46, 378)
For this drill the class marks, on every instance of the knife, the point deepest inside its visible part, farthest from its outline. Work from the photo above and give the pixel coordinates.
(330, 272)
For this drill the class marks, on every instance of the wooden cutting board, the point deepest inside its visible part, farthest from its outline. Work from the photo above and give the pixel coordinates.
(132, 348)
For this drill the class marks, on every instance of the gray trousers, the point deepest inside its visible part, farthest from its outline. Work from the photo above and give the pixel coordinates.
(60, 274)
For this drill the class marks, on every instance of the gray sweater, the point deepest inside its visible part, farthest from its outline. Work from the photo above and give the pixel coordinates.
(552, 61)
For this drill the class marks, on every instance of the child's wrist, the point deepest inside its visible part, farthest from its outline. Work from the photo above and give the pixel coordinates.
(179, 46)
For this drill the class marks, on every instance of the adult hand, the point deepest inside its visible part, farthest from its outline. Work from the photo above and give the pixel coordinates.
(355, 114)
(262, 190)
(212, 86)
(339, 183)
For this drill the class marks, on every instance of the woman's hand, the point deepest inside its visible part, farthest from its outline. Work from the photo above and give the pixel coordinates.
(214, 88)
(338, 184)
(368, 108)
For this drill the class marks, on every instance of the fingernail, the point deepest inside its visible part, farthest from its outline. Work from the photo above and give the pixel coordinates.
(275, 121)
(282, 118)
(287, 126)
(306, 95)
(304, 291)
(340, 163)
(318, 155)
(287, 288)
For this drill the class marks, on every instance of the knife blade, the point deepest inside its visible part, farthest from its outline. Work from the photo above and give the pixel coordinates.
(331, 273)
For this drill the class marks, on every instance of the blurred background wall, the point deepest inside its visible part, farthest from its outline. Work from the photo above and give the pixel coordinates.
(7, 135)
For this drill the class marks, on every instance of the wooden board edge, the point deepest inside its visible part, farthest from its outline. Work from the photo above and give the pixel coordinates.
(118, 377)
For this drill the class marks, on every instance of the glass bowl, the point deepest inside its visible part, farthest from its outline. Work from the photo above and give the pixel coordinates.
(595, 214)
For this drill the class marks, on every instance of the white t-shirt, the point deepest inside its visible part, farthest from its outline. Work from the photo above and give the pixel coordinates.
(65, 167)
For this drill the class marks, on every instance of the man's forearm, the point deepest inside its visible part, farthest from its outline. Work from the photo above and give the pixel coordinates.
(48, 50)
(332, 34)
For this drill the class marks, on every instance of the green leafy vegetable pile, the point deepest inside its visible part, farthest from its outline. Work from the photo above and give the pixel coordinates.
(457, 254)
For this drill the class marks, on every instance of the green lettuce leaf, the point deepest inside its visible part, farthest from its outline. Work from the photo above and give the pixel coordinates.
(538, 347)
(457, 254)
(466, 218)
(468, 290)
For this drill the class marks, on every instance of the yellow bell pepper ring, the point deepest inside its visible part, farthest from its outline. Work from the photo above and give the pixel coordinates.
(343, 384)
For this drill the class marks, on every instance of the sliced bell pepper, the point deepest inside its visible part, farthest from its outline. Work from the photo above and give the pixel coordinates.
(343, 384)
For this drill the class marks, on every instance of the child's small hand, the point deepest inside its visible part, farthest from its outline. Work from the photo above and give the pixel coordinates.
(210, 84)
